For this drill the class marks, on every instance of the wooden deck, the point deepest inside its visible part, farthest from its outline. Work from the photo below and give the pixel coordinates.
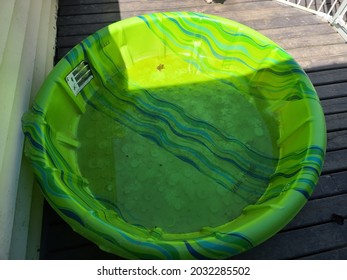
(320, 230)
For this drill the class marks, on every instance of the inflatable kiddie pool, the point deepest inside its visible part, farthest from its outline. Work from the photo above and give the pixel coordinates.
(176, 136)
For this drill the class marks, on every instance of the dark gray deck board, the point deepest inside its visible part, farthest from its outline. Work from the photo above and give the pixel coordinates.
(70, 41)
(88, 19)
(63, 3)
(335, 105)
(300, 242)
(327, 208)
(80, 29)
(316, 232)
(335, 254)
(337, 140)
(331, 185)
(338, 89)
(336, 122)
(56, 237)
(335, 161)
(328, 77)
(73, 10)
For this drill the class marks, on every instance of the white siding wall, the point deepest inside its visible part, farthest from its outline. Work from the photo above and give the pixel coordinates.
(27, 42)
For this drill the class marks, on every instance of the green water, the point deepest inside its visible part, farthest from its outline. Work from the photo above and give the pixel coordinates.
(178, 179)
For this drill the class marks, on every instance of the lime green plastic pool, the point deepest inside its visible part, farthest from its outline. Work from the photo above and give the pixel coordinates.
(176, 136)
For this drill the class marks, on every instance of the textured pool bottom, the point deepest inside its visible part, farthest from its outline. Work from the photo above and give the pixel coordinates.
(180, 157)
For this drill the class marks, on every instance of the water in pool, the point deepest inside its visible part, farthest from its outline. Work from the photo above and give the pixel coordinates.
(175, 153)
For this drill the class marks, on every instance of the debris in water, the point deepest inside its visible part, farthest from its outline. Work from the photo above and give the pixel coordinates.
(160, 67)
